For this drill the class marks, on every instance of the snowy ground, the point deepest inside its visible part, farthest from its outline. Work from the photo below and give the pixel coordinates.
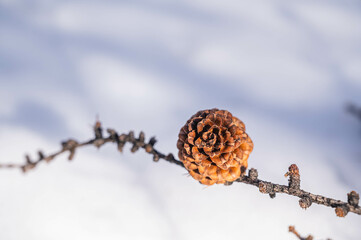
(286, 68)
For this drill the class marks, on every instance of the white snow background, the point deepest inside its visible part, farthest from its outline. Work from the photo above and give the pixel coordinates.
(286, 68)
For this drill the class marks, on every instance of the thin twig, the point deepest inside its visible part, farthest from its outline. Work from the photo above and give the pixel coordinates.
(293, 188)
(292, 229)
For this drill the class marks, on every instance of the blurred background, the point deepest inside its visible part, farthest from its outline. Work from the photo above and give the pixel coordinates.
(286, 68)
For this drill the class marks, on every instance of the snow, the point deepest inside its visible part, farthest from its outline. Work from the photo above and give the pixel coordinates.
(286, 68)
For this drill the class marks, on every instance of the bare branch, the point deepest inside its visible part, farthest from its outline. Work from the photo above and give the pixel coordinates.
(294, 178)
(292, 229)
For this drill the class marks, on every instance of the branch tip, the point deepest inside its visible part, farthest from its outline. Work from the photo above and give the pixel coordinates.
(353, 198)
(253, 174)
(41, 155)
(131, 136)
(134, 148)
(152, 141)
(294, 180)
(98, 130)
(141, 137)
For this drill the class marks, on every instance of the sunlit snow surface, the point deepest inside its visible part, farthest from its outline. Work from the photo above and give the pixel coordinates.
(286, 68)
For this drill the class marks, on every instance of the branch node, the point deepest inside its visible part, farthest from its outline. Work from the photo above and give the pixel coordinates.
(148, 148)
(28, 165)
(98, 130)
(265, 187)
(294, 180)
(152, 141)
(341, 211)
(113, 135)
(41, 155)
(70, 146)
(253, 174)
(48, 158)
(170, 157)
(120, 146)
(305, 202)
(134, 148)
(121, 141)
(71, 143)
(141, 137)
(123, 137)
(131, 136)
(28, 160)
(353, 198)
(99, 142)
(72, 153)
(272, 195)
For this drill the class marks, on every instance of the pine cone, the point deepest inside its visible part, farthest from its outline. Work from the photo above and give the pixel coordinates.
(214, 146)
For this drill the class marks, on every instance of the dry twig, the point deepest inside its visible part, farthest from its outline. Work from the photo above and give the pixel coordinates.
(292, 229)
(293, 188)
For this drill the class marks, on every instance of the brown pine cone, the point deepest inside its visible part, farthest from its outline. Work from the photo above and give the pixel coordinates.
(214, 146)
